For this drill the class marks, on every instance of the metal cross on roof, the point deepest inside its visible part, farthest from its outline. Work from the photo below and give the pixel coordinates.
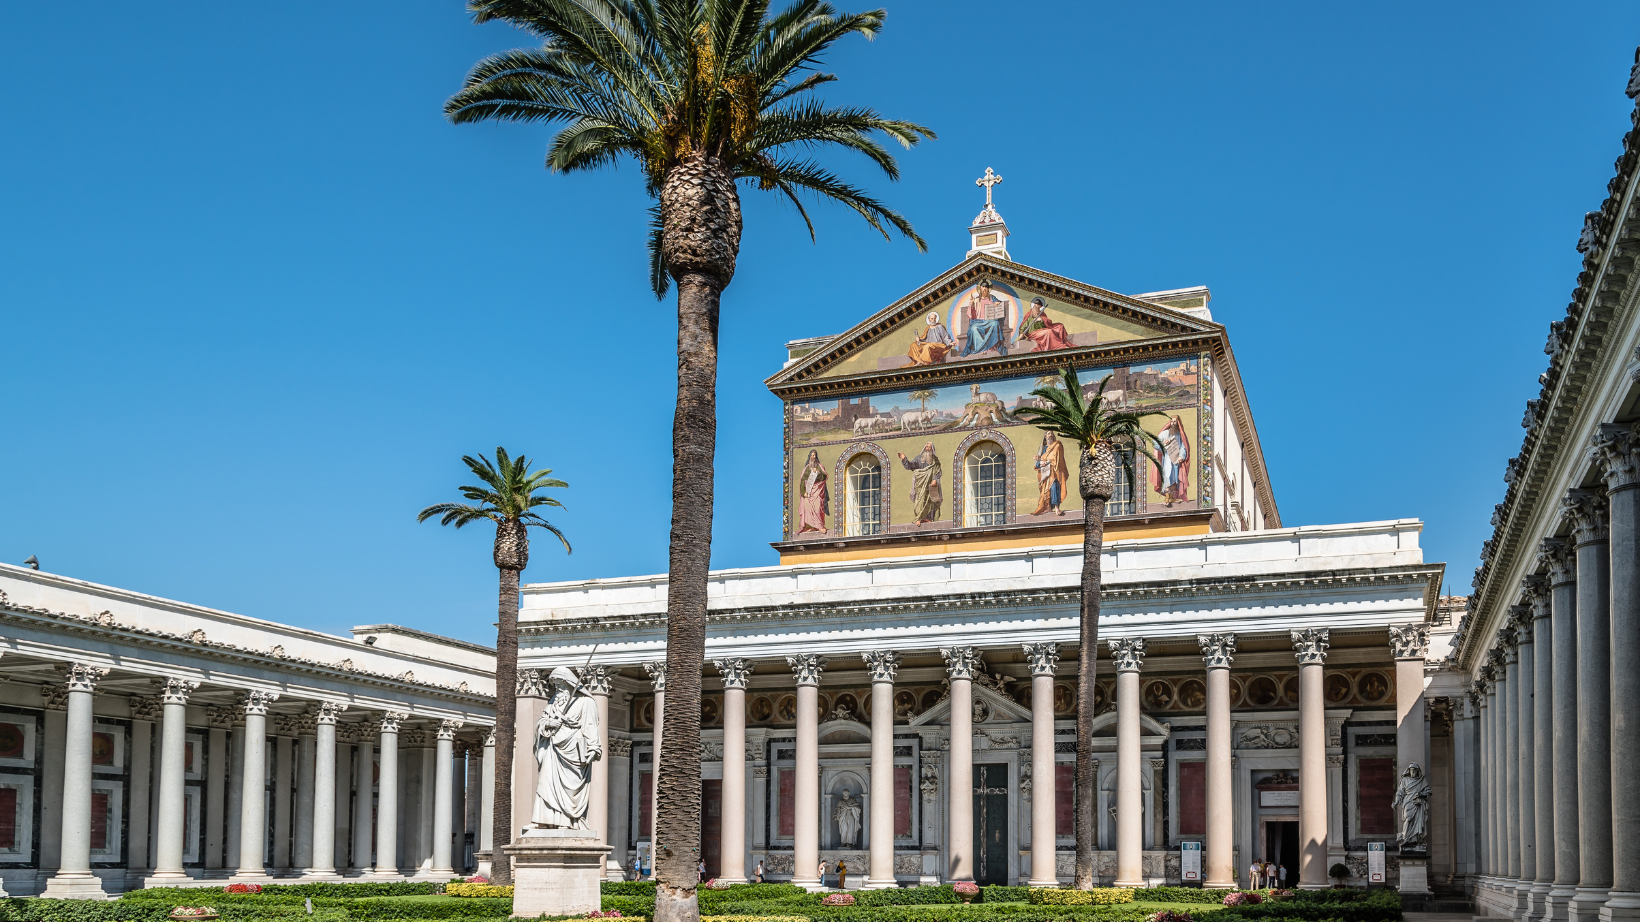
(988, 180)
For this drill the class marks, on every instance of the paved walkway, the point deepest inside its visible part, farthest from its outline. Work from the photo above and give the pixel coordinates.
(1438, 916)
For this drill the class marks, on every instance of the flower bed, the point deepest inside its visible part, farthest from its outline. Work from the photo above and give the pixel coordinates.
(1242, 898)
(1098, 896)
(481, 891)
(838, 899)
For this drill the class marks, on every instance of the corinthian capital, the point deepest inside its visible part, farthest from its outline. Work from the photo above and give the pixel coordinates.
(1557, 554)
(882, 664)
(1615, 450)
(1409, 641)
(447, 729)
(1128, 655)
(1587, 510)
(82, 677)
(531, 685)
(328, 712)
(735, 671)
(961, 662)
(596, 679)
(657, 675)
(1218, 650)
(1043, 657)
(1310, 645)
(807, 667)
(176, 691)
(256, 702)
(389, 722)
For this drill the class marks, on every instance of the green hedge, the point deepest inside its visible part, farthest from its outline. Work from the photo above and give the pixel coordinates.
(628, 888)
(907, 896)
(1180, 895)
(998, 894)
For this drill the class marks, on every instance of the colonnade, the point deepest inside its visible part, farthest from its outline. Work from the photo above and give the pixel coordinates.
(304, 832)
(962, 663)
(1559, 703)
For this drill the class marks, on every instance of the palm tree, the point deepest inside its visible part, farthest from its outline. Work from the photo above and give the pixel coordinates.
(703, 94)
(507, 498)
(923, 396)
(1104, 436)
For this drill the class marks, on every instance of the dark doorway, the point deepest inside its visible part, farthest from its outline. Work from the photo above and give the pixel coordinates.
(1281, 846)
(711, 826)
(990, 824)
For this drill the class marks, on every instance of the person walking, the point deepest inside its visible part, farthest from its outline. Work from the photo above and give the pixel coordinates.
(823, 870)
(700, 872)
(760, 871)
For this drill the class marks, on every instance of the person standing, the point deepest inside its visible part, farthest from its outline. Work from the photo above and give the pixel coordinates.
(822, 873)
(1281, 876)
(759, 872)
(842, 875)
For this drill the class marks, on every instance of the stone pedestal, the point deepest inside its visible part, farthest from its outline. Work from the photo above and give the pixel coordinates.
(483, 860)
(1414, 884)
(556, 872)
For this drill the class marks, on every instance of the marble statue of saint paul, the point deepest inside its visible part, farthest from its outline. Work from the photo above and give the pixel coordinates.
(566, 745)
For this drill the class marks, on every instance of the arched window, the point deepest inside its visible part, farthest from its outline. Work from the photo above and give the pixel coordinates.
(1122, 500)
(985, 486)
(864, 513)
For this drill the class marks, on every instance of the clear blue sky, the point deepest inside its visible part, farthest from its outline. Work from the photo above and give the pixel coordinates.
(257, 296)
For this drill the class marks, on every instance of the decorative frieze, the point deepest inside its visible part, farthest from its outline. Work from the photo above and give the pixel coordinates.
(1267, 736)
(962, 662)
(883, 665)
(1043, 657)
(806, 667)
(1127, 655)
(1310, 645)
(1409, 641)
(657, 675)
(1218, 650)
(223, 718)
(736, 671)
(930, 781)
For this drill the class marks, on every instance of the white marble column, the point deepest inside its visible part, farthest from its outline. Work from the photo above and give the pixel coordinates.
(1588, 513)
(1311, 649)
(1043, 659)
(216, 789)
(74, 879)
(284, 763)
(1218, 852)
(620, 815)
(1128, 656)
(657, 675)
(960, 664)
(806, 805)
(1617, 452)
(322, 864)
(364, 802)
(253, 788)
(236, 791)
(882, 665)
(387, 797)
(301, 847)
(1526, 802)
(443, 799)
(1562, 561)
(1511, 762)
(1543, 808)
(142, 805)
(732, 841)
(486, 805)
(1497, 859)
(173, 746)
(596, 679)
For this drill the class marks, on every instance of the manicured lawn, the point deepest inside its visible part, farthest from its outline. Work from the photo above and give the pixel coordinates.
(424, 898)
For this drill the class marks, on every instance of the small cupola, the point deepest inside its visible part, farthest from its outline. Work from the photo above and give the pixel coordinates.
(989, 232)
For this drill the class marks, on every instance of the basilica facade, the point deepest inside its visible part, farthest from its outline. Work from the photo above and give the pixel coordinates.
(897, 694)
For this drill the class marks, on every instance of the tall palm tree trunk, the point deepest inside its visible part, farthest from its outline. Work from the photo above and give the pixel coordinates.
(700, 240)
(506, 716)
(1096, 480)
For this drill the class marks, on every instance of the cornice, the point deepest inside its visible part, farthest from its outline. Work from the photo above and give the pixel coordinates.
(1173, 591)
(104, 627)
(1600, 306)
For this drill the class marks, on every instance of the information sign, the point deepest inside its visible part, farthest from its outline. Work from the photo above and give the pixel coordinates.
(1375, 862)
(1190, 860)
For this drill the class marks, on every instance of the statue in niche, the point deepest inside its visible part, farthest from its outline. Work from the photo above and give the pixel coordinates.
(566, 745)
(1412, 796)
(847, 815)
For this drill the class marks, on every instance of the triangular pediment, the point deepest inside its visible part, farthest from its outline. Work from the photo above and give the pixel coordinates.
(988, 313)
(995, 707)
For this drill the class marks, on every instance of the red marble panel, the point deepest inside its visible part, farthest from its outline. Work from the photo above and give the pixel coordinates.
(8, 817)
(1192, 798)
(1375, 793)
(646, 803)
(1064, 799)
(902, 800)
(788, 802)
(99, 820)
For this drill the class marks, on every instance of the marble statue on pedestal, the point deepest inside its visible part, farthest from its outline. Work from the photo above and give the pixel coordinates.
(847, 815)
(1412, 796)
(566, 745)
